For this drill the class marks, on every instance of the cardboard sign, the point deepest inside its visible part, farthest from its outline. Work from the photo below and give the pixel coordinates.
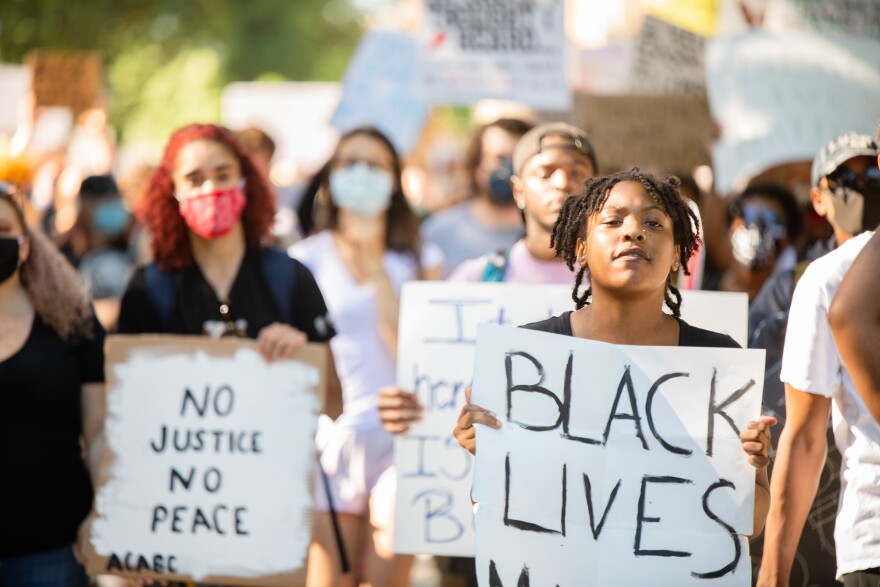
(669, 60)
(210, 453)
(780, 96)
(613, 463)
(666, 133)
(438, 325)
(512, 50)
(381, 88)
(63, 78)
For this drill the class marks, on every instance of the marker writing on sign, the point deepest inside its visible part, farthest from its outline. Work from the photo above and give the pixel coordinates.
(221, 519)
(625, 407)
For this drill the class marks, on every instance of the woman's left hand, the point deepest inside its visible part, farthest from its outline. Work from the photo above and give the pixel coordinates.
(756, 441)
(279, 341)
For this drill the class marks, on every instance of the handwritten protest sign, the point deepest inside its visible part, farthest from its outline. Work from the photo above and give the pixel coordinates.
(65, 78)
(381, 88)
(513, 50)
(780, 96)
(669, 60)
(613, 463)
(669, 133)
(438, 325)
(210, 454)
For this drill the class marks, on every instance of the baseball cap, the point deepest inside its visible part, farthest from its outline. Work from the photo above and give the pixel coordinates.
(555, 135)
(847, 146)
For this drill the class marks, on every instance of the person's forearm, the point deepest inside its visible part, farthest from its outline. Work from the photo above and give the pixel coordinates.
(762, 501)
(799, 461)
(855, 322)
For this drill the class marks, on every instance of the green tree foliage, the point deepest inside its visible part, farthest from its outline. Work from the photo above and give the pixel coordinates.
(167, 60)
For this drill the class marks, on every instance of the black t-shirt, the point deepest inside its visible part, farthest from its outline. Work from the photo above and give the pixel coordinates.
(250, 299)
(688, 335)
(46, 487)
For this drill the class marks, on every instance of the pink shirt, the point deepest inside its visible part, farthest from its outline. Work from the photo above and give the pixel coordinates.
(522, 267)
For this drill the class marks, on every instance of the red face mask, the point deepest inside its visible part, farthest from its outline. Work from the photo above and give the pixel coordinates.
(214, 214)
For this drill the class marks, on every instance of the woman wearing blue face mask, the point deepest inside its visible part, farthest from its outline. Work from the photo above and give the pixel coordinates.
(366, 246)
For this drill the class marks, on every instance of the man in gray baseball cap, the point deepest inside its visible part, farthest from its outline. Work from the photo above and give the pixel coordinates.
(846, 185)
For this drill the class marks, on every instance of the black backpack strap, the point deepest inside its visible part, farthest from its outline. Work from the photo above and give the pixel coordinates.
(496, 265)
(281, 278)
(160, 292)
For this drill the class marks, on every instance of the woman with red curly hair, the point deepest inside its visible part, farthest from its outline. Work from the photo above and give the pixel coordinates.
(209, 210)
(45, 320)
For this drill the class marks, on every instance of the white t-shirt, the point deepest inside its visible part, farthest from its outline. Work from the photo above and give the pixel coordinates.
(363, 363)
(811, 363)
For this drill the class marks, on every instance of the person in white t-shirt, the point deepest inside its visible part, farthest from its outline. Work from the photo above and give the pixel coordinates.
(817, 383)
(368, 247)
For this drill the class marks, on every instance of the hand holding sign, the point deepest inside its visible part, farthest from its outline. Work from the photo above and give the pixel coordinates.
(398, 409)
(279, 341)
(471, 414)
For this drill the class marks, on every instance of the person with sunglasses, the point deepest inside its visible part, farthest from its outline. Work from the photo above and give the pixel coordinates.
(846, 191)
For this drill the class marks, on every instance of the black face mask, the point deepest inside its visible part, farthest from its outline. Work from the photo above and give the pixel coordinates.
(9, 260)
(499, 183)
(856, 210)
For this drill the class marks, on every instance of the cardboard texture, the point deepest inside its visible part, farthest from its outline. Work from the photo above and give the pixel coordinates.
(64, 78)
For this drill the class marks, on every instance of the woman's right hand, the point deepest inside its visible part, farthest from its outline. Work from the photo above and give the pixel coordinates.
(472, 414)
(398, 409)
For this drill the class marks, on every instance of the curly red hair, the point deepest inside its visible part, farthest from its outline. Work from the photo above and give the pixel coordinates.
(159, 212)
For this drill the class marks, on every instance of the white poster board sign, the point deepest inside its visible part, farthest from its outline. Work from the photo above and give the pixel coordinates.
(438, 325)
(780, 96)
(381, 88)
(15, 81)
(613, 463)
(212, 453)
(435, 358)
(511, 50)
(295, 114)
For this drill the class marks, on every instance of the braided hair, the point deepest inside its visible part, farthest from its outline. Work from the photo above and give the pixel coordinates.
(664, 190)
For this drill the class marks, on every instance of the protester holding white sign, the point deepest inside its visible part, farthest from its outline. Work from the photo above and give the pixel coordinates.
(368, 244)
(628, 232)
(614, 463)
(209, 210)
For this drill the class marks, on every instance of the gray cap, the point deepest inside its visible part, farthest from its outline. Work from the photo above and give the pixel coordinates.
(555, 135)
(835, 153)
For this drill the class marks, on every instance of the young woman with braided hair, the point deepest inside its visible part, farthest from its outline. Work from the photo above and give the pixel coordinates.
(628, 232)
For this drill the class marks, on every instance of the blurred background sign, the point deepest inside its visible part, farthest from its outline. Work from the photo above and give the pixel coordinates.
(381, 88)
(513, 50)
(779, 96)
(66, 78)
(295, 114)
(671, 133)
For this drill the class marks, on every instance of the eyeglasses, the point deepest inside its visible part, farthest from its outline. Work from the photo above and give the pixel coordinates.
(843, 177)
